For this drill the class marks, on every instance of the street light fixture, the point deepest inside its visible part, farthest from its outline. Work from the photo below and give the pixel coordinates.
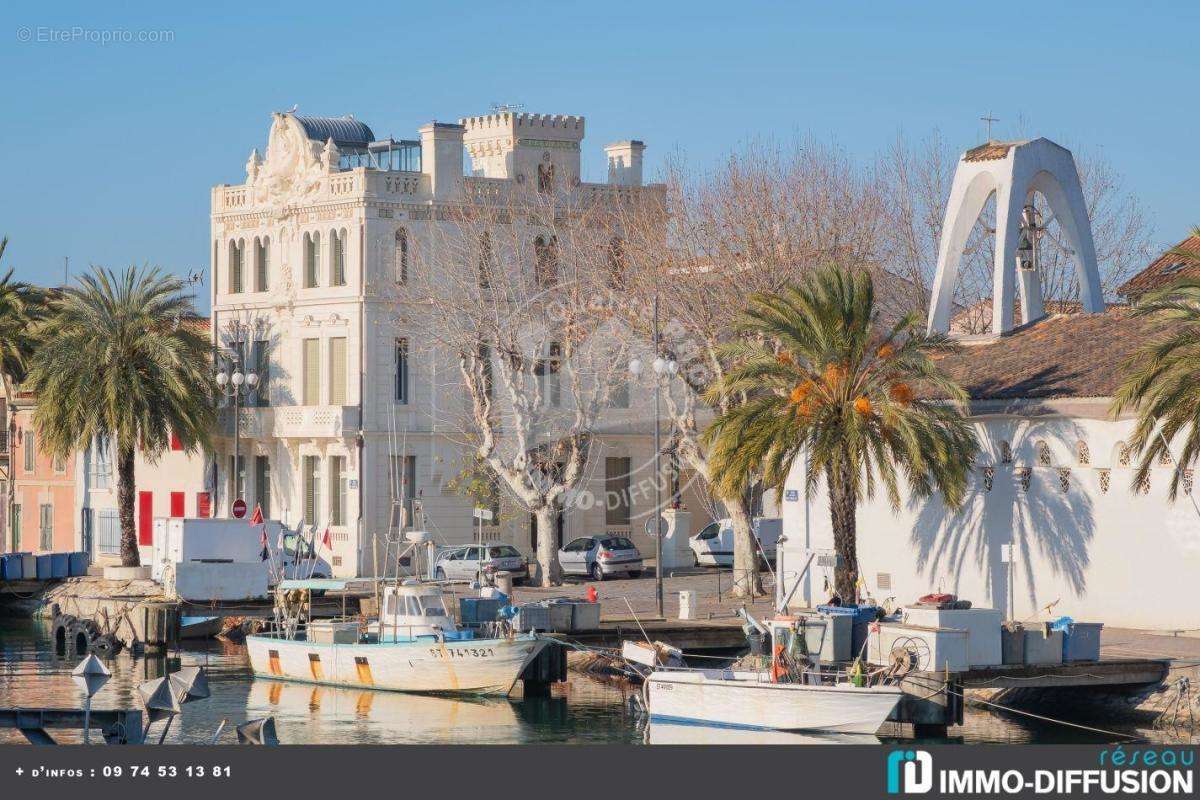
(235, 384)
(662, 367)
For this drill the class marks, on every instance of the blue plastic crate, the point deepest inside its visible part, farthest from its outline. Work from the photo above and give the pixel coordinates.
(861, 614)
(44, 569)
(476, 610)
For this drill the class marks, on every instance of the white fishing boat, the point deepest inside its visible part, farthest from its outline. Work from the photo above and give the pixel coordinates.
(786, 697)
(753, 700)
(415, 646)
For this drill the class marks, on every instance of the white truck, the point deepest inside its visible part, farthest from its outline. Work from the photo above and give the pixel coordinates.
(713, 546)
(212, 559)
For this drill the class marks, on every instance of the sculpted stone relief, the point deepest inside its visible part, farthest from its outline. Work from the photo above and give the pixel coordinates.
(294, 167)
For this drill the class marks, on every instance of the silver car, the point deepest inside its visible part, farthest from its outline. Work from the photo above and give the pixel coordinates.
(473, 562)
(599, 556)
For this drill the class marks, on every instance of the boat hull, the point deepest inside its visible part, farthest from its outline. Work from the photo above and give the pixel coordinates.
(758, 704)
(470, 666)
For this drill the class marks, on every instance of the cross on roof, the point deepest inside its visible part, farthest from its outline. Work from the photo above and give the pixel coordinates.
(989, 119)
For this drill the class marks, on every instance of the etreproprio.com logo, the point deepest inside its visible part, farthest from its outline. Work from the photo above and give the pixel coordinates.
(1151, 771)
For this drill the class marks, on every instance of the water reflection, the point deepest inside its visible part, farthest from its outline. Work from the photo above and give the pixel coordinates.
(582, 710)
(33, 674)
(664, 733)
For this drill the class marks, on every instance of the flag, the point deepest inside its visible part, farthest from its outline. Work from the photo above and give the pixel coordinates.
(266, 551)
(325, 540)
(257, 518)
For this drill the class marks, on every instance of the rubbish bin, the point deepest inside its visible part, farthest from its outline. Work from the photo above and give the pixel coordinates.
(503, 581)
(863, 616)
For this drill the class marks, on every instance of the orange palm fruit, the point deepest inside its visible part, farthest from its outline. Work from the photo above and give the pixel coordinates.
(901, 393)
(863, 406)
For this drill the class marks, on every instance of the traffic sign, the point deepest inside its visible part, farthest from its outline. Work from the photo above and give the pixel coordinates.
(484, 514)
(239, 508)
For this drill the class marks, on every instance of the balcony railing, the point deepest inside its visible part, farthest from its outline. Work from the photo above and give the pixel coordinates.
(327, 422)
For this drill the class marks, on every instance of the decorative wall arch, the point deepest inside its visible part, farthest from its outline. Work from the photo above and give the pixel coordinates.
(1013, 171)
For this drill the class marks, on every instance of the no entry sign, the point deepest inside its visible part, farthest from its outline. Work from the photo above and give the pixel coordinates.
(239, 508)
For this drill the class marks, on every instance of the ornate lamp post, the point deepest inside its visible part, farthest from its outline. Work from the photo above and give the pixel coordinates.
(234, 385)
(662, 368)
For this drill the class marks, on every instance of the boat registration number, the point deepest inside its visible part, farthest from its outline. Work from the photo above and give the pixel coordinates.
(462, 652)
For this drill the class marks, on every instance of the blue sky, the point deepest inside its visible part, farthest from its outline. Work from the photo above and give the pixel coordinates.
(109, 150)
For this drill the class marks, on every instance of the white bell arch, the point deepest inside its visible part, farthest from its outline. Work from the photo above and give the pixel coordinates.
(1014, 171)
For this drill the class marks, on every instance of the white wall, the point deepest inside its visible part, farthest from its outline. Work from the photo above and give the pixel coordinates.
(1116, 557)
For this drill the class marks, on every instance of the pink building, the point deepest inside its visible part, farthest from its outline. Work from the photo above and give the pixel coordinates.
(42, 516)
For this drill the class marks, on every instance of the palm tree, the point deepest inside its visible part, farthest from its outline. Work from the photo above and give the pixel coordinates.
(826, 379)
(121, 363)
(21, 305)
(1160, 380)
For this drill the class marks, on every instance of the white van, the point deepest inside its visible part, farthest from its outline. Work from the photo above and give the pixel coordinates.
(713, 546)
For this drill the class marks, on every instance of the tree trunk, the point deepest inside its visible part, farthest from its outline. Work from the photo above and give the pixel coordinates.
(842, 506)
(125, 494)
(547, 545)
(746, 580)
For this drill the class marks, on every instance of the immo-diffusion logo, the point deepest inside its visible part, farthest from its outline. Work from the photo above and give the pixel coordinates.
(909, 772)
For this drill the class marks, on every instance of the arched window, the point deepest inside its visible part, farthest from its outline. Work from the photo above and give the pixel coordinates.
(236, 248)
(312, 259)
(1044, 457)
(1005, 452)
(486, 259)
(337, 261)
(400, 256)
(545, 255)
(1082, 454)
(1123, 455)
(262, 264)
(616, 262)
(545, 178)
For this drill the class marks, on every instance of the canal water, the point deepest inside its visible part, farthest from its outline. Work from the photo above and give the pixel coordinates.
(584, 711)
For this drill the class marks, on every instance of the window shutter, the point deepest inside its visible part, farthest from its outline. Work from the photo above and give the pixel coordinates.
(337, 371)
(312, 372)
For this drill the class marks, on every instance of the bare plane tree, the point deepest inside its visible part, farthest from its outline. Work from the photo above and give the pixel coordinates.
(754, 224)
(511, 286)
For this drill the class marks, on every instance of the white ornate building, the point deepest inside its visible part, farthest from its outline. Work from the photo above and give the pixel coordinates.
(306, 256)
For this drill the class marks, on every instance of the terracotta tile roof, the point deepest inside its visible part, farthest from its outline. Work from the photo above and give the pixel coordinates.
(1063, 356)
(1164, 270)
(989, 151)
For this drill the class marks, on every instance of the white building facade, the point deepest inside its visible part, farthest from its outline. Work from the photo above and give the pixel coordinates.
(349, 419)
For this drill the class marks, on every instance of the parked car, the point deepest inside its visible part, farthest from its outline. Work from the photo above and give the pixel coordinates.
(599, 556)
(470, 562)
(713, 546)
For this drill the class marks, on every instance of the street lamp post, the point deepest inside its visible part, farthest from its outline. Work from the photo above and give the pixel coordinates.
(662, 368)
(234, 385)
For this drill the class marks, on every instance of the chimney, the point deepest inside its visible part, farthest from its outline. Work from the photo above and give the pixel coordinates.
(625, 162)
(442, 157)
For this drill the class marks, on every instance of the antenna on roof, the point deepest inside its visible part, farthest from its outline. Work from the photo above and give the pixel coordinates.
(503, 108)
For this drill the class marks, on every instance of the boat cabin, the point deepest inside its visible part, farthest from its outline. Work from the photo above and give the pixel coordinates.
(413, 610)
